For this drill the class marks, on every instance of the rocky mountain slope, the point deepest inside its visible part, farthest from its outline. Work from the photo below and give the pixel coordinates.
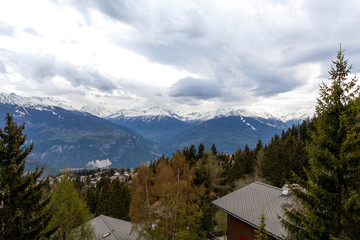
(127, 137)
(65, 137)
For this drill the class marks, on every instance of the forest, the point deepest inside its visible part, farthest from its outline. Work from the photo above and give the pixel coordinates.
(170, 197)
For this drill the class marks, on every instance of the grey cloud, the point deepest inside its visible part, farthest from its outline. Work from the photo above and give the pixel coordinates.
(117, 10)
(31, 31)
(249, 52)
(86, 76)
(43, 67)
(325, 54)
(157, 20)
(273, 84)
(6, 29)
(2, 67)
(314, 54)
(195, 88)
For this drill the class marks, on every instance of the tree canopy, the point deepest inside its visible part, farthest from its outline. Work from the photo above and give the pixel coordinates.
(70, 212)
(22, 214)
(329, 195)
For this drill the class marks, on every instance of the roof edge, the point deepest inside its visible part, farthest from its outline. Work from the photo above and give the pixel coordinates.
(245, 221)
(266, 185)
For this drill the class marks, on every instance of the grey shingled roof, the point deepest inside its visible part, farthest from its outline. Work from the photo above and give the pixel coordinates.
(118, 229)
(249, 202)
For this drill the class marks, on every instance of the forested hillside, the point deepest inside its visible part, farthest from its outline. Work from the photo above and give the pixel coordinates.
(170, 197)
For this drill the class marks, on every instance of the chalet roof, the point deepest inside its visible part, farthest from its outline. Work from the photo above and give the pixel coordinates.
(248, 203)
(118, 229)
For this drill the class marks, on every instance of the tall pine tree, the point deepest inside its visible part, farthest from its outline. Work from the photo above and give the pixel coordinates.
(22, 214)
(328, 201)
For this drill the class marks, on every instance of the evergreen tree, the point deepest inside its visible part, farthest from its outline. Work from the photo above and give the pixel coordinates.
(92, 198)
(190, 154)
(207, 174)
(248, 160)
(201, 151)
(213, 149)
(259, 157)
(260, 234)
(22, 214)
(275, 158)
(106, 197)
(328, 201)
(121, 200)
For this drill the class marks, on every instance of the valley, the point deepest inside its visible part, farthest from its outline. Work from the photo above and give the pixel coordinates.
(64, 136)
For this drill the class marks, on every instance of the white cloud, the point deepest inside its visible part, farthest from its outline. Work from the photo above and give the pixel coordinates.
(99, 163)
(120, 54)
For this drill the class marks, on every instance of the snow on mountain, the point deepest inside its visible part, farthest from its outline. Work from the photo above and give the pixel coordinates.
(38, 103)
(241, 112)
(204, 116)
(145, 114)
(291, 116)
(156, 112)
(96, 110)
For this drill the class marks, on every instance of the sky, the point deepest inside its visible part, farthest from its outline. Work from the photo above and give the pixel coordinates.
(181, 55)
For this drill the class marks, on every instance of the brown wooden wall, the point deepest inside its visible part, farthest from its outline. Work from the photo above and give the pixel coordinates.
(237, 228)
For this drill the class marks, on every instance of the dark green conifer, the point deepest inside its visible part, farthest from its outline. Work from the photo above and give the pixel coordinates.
(22, 214)
(121, 200)
(213, 149)
(260, 234)
(201, 151)
(328, 200)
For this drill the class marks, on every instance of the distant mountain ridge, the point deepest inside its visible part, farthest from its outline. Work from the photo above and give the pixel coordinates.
(33, 102)
(149, 113)
(75, 139)
(227, 128)
(129, 136)
(201, 116)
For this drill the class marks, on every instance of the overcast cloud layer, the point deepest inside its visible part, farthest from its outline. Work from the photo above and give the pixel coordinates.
(179, 55)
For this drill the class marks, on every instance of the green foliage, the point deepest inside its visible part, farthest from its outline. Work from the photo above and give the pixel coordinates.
(110, 198)
(208, 177)
(213, 149)
(70, 212)
(165, 205)
(242, 164)
(220, 221)
(328, 200)
(190, 155)
(286, 154)
(22, 214)
(201, 151)
(260, 234)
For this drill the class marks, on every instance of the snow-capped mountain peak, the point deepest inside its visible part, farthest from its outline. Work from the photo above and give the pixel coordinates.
(142, 112)
(151, 113)
(33, 102)
(96, 110)
(225, 112)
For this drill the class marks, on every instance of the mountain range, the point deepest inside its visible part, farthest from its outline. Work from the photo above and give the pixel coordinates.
(97, 137)
(67, 137)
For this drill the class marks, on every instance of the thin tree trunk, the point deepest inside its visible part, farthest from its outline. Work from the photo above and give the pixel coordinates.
(147, 199)
(177, 200)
